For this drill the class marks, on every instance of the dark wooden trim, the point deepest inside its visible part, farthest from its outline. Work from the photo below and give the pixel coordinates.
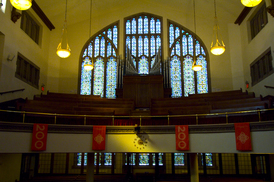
(220, 164)
(172, 163)
(242, 16)
(82, 163)
(18, 90)
(204, 164)
(42, 15)
(67, 163)
(236, 164)
(51, 163)
(113, 160)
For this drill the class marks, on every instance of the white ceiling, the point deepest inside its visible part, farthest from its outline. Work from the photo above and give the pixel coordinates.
(78, 10)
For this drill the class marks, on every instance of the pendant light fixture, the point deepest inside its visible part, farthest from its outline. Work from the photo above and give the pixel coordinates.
(21, 4)
(195, 66)
(63, 50)
(88, 60)
(217, 44)
(250, 3)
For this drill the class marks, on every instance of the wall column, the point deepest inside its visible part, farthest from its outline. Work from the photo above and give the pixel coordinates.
(194, 170)
(90, 167)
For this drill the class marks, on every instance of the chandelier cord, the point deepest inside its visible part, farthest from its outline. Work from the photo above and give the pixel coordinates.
(215, 8)
(194, 38)
(90, 15)
(66, 11)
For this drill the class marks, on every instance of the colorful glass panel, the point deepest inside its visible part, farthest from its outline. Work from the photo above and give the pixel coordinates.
(134, 46)
(132, 159)
(152, 45)
(189, 81)
(160, 159)
(109, 49)
(209, 160)
(102, 48)
(171, 35)
(98, 83)
(85, 81)
(158, 42)
(85, 52)
(143, 65)
(178, 49)
(184, 45)
(146, 25)
(179, 159)
(190, 45)
(202, 83)
(109, 34)
(128, 27)
(197, 46)
(115, 36)
(176, 80)
(90, 48)
(152, 25)
(158, 26)
(146, 51)
(140, 25)
(177, 32)
(133, 26)
(95, 159)
(107, 159)
(111, 78)
(140, 46)
(97, 47)
(143, 159)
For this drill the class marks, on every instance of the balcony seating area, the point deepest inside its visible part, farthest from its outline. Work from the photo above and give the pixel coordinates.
(208, 108)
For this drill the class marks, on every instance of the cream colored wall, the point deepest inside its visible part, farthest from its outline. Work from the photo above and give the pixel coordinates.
(66, 81)
(10, 167)
(252, 49)
(16, 40)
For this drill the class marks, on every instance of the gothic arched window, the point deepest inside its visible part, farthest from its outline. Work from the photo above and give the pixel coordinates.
(184, 80)
(102, 48)
(143, 38)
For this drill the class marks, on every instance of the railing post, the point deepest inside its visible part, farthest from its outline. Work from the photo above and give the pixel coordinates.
(112, 120)
(167, 119)
(140, 120)
(259, 114)
(196, 119)
(85, 119)
(24, 115)
(226, 118)
(55, 118)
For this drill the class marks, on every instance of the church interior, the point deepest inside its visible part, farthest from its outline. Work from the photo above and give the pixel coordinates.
(136, 90)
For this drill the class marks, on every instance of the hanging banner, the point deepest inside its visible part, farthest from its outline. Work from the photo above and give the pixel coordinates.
(99, 138)
(242, 135)
(39, 137)
(182, 138)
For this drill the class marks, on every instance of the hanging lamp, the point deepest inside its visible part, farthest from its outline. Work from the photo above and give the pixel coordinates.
(63, 49)
(250, 3)
(21, 4)
(195, 66)
(217, 44)
(88, 60)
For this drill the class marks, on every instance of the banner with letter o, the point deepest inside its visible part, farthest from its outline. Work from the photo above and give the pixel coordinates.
(182, 138)
(39, 137)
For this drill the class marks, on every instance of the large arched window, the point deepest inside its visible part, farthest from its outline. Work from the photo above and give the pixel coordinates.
(143, 38)
(103, 49)
(183, 79)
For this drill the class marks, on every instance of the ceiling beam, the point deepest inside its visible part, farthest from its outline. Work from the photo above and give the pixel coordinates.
(242, 16)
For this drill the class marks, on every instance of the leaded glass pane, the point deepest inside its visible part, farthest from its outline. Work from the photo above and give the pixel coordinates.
(158, 42)
(146, 25)
(171, 35)
(140, 46)
(85, 53)
(128, 42)
(146, 51)
(158, 26)
(109, 49)
(109, 34)
(85, 81)
(98, 84)
(140, 25)
(172, 52)
(115, 36)
(113, 52)
(132, 159)
(197, 48)
(203, 51)
(107, 159)
(208, 157)
(177, 32)
(90, 47)
(143, 65)
(97, 47)
(133, 26)
(178, 51)
(179, 159)
(184, 45)
(95, 159)
(152, 62)
(190, 45)
(143, 159)
(111, 78)
(175, 72)
(79, 159)
(202, 83)
(189, 82)
(152, 25)
(102, 49)
(128, 27)
(152, 45)
(160, 159)
(134, 46)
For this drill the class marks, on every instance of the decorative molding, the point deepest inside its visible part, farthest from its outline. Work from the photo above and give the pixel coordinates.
(161, 129)
(242, 16)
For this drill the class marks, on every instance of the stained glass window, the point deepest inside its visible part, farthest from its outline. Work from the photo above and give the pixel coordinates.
(107, 159)
(143, 159)
(208, 157)
(102, 49)
(143, 32)
(160, 159)
(183, 44)
(179, 159)
(132, 159)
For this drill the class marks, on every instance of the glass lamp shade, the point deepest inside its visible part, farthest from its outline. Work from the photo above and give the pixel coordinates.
(62, 53)
(88, 67)
(63, 49)
(196, 67)
(21, 4)
(251, 3)
(217, 50)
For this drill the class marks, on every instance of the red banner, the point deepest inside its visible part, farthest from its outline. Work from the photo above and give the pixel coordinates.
(242, 135)
(39, 137)
(182, 138)
(99, 138)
